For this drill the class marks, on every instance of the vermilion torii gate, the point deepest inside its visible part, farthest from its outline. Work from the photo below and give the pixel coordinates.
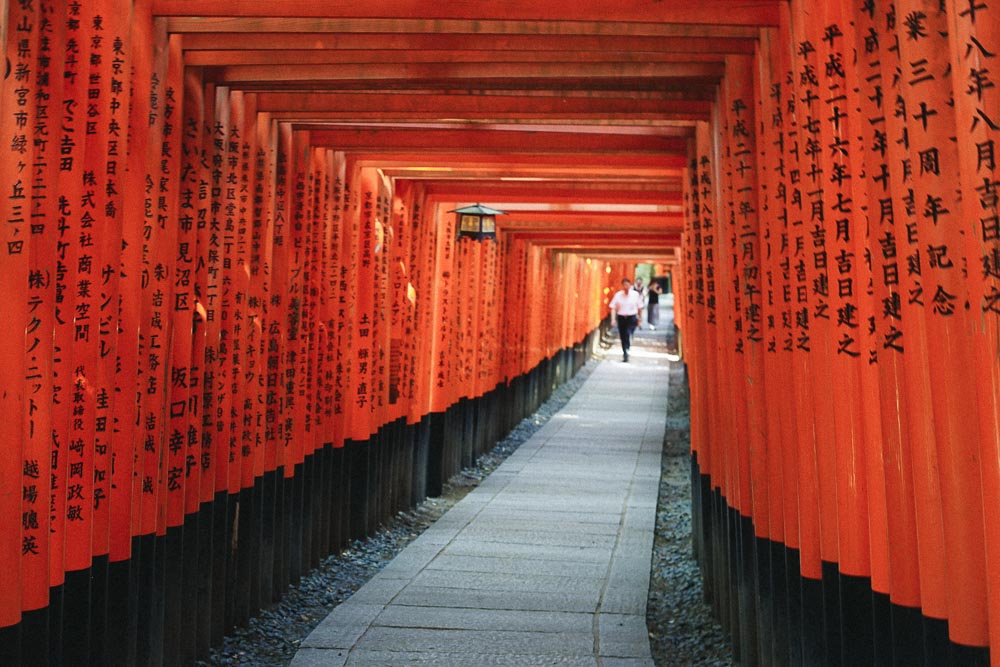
(240, 329)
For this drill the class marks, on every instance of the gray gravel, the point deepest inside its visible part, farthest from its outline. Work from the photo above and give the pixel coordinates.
(681, 628)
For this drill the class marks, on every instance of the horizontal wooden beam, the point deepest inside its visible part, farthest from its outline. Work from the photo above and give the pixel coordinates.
(474, 72)
(250, 56)
(581, 193)
(626, 166)
(556, 220)
(705, 12)
(658, 248)
(431, 140)
(676, 130)
(482, 29)
(609, 119)
(505, 43)
(460, 105)
(609, 237)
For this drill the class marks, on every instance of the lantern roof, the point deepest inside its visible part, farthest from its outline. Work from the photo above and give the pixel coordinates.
(478, 209)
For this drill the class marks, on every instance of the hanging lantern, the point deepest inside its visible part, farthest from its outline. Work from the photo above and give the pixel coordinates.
(477, 222)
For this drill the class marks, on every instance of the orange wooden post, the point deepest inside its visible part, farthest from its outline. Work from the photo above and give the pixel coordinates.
(905, 334)
(186, 384)
(875, 524)
(76, 465)
(36, 468)
(900, 531)
(691, 305)
(301, 322)
(801, 464)
(743, 239)
(930, 124)
(381, 339)
(973, 41)
(296, 367)
(205, 330)
(210, 247)
(125, 440)
(233, 237)
(261, 261)
(835, 232)
(177, 331)
(243, 381)
(407, 295)
(326, 286)
(350, 288)
(714, 451)
(399, 352)
(107, 150)
(363, 394)
(281, 302)
(729, 422)
(745, 123)
(443, 350)
(256, 199)
(421, 299)
(14, 271)
(821, 344)
(776, 325)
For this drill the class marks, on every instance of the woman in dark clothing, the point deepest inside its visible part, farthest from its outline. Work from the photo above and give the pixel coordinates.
(653, 309)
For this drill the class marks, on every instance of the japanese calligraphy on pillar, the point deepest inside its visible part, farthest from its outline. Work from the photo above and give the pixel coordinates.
(192, 215)
(975, 47)
(77, 185)
(975, 51)
(24, 509)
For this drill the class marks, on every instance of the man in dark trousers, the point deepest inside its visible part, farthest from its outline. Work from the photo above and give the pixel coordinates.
(626, 308)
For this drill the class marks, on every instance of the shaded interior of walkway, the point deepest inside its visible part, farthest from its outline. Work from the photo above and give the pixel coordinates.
(546, 562)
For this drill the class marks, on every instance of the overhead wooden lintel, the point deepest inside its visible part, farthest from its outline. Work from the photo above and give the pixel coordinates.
(551, 194)
(674, 130)
(459, 104)
(548, 220)
(729, 12)
(623, 165)
(478, 141)
(252, 56)
(715, 43)
(604, 237)
(608, 119)
(476, 72)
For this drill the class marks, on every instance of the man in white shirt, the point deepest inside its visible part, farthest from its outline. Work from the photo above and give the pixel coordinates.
(626, 307)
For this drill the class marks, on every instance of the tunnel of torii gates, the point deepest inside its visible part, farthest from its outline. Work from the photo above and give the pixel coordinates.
(239, 328)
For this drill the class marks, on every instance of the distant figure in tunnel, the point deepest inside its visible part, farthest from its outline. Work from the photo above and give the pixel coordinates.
(653, 305)
(626, 308)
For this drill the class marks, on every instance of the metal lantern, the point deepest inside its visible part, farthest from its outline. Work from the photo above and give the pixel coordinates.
(477, 222)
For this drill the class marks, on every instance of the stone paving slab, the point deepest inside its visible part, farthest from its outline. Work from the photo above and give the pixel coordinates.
(529, 551)
(522, 581)
(422, 596)
(496, 642)
(544, 563)
(500, 565)
(469, 658)
(486, 619)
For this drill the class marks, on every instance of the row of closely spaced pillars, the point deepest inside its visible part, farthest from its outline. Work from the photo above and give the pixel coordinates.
(230, 345)
(841, 279)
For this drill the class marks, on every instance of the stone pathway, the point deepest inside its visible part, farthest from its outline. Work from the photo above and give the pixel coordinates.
(545, 563)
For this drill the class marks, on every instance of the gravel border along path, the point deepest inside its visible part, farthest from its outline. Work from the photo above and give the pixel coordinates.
(682, 630)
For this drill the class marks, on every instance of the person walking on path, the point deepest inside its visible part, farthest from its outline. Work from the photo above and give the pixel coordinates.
(653, 305)
(626, 307)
